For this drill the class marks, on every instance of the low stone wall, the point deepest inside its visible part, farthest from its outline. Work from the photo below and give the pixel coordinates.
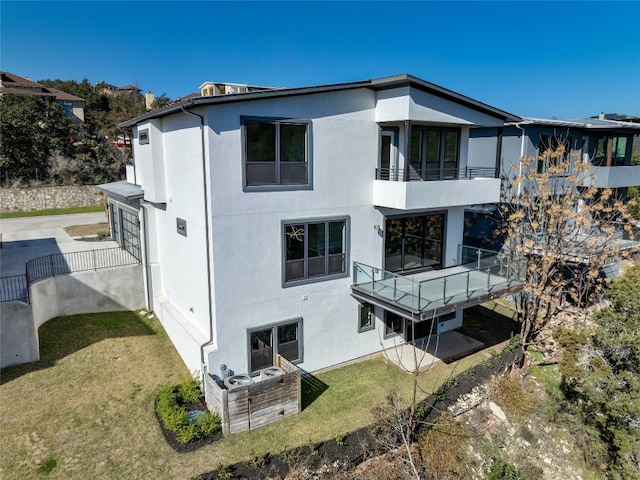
(43, 198)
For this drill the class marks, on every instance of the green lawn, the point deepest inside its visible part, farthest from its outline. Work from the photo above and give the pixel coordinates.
(52, 211)
(85, 410)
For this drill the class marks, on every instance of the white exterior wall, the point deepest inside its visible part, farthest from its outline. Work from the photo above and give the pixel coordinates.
(246, 228)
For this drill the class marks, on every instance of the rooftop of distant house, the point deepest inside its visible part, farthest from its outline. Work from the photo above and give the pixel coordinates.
(10, 83)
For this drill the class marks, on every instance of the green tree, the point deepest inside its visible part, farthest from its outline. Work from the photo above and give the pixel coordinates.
(602, 373)
(633, 193)
(31, 130)
(161, 101)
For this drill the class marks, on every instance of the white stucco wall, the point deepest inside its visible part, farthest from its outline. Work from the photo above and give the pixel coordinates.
(246, 227)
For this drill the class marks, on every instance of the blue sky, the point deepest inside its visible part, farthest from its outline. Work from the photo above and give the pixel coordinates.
(539, 59)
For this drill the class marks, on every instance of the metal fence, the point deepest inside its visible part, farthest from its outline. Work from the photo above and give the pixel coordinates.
(16, 287)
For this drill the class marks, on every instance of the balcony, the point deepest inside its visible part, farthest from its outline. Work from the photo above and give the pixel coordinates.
(435, 188)
(616, 176)
(480, 276)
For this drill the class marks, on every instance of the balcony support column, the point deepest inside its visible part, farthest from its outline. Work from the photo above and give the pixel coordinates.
(407, 149)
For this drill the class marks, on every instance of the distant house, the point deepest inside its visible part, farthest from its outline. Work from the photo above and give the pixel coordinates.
(212, 89)
(13, 84)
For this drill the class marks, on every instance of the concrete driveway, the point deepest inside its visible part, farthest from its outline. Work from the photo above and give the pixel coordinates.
(24, 239)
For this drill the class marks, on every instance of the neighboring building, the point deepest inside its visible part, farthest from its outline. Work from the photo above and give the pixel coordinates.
(13, 84)
(322, 223)
(211, 89)
(603, 144)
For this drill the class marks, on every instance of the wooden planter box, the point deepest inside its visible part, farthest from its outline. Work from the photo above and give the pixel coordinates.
(255, 405)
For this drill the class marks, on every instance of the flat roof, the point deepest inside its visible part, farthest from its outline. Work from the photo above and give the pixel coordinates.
(122, 189)
(384, 83)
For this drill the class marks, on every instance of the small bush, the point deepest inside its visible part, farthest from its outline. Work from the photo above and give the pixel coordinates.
(512, 398)
(443, 449)
(189, 391)
(170, 408)
(501, 470)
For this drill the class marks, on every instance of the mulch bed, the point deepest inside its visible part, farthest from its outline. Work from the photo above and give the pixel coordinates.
(170, 436)
(345, 454)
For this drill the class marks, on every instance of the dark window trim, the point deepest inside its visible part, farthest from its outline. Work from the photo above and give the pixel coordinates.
(386, 335)
(244, 119)
(143, 136)
(568, 139)
(441, 147)
(274, 331)
(306, 221)
(372, 313)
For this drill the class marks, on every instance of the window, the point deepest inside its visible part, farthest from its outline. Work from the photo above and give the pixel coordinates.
(143, 137)
(125, 228)
(276, 153)
(365, 317)
(434, 154)
(283, 339)
(393, 324)
(554, 151)
(610, 151)
(314, 249)
(413, 243)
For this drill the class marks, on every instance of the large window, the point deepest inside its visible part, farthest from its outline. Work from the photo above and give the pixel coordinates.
(276, 153)
(282, 339)
(554, 152)
(125, 228)
(314, 249)
(610, 151)
(434, 153)
(413, 243)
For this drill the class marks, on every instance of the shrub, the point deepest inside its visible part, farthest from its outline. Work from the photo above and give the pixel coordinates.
(512, 398)
(443, 449)
(175, 418)
(501, 470)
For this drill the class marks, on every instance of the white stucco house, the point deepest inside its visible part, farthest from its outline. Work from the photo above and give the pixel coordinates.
(321, 223)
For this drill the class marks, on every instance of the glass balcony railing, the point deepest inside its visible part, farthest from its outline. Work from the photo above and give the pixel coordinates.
(480, 275)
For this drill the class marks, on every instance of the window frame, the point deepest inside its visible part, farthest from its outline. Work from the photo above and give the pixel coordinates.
(372, 317)
(424, 173)
(277, 121)
(400, 333)
(143, 136)
(274, 327)
(327, 246)
(552, 142)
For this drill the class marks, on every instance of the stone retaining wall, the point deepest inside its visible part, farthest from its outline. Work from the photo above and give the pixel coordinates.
(43, 198)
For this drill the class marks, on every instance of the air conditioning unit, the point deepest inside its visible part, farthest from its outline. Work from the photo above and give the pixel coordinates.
(237, 381)
(271, 372)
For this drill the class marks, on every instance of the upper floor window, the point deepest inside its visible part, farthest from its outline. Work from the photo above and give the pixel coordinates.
(554, 152)
(314, 249)
(276, 153)
(610, 151)
(434, 153)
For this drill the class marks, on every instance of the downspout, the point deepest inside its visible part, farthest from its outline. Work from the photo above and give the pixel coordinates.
(207, 242)
(517, 125)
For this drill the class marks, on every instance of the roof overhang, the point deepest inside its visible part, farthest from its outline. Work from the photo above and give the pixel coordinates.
(122, 190)
(384, 83)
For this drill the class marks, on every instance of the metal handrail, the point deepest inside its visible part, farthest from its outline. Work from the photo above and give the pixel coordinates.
(66, 263)
(436, 173)
(401, 286)
(14, 287)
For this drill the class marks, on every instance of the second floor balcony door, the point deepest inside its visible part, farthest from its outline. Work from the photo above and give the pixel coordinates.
(388, 156)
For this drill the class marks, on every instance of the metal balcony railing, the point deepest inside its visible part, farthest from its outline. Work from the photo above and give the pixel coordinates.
(480, 274)
(435, 174)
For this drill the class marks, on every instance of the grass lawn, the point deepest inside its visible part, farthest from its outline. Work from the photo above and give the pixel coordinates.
(85, 410)
(52, 211)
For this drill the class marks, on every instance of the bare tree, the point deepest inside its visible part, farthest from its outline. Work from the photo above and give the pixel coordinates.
(568, 232)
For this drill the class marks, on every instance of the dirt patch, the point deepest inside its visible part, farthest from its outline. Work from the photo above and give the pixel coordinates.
(88, 230)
